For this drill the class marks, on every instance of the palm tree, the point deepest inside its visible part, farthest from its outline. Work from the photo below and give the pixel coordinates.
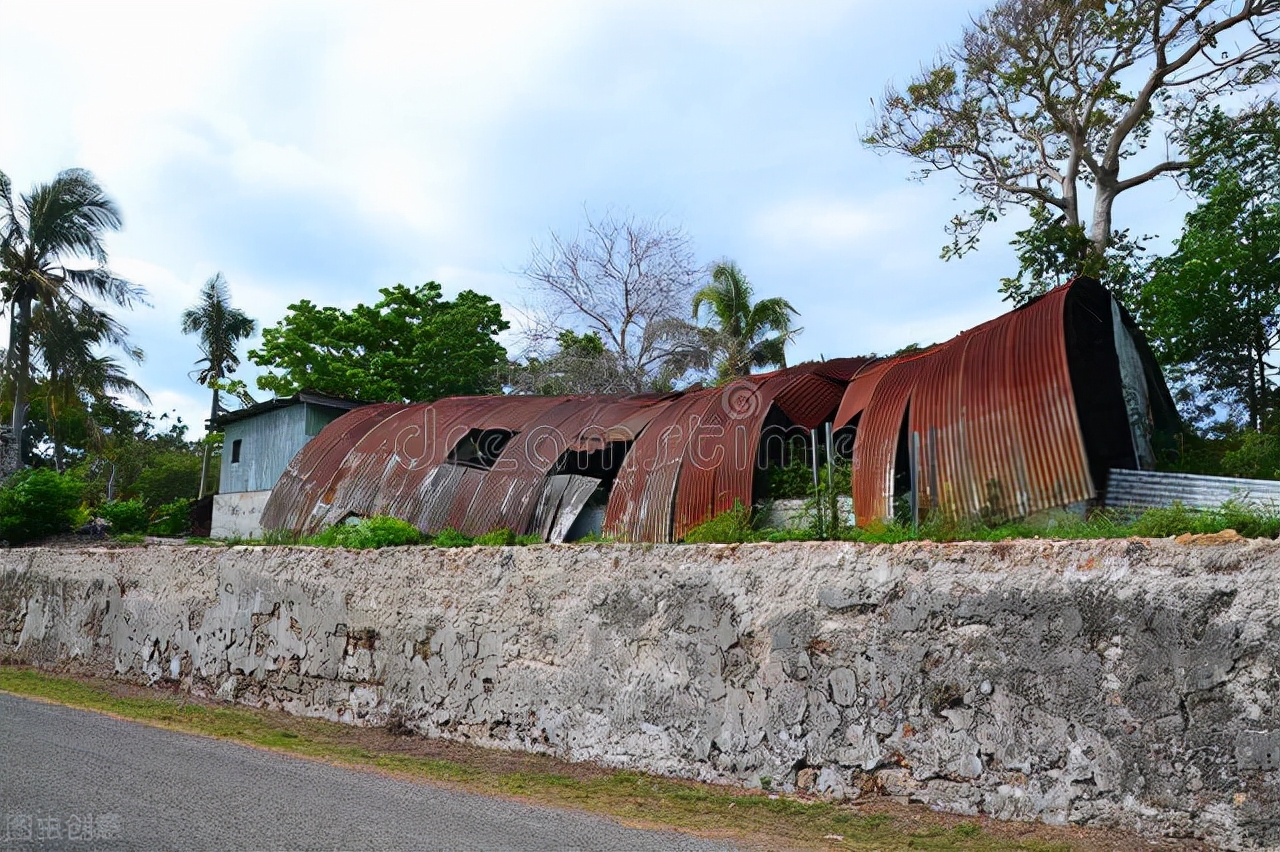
(76, 374)
(742, 335)
(56, 224)
(220, 327)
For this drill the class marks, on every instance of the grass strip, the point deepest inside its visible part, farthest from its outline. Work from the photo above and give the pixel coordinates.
(752, 819)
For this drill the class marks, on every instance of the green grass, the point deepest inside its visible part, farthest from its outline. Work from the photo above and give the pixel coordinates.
(751, 818)
(1249, 521)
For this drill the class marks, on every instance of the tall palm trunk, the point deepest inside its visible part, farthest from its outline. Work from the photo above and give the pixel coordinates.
(208, 447)
(20, 340)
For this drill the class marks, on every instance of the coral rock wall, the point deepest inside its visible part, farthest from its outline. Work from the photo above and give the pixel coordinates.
(1129, 683)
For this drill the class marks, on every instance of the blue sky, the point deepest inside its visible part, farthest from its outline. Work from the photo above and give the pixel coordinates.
(324, 150)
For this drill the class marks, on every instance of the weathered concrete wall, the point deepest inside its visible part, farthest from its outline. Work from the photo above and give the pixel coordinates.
(238, 514)
(1124, 683)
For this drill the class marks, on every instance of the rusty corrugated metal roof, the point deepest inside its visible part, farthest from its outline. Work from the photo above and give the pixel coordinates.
(991, 412)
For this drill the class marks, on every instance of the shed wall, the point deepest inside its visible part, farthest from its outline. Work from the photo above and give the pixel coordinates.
(267, 443)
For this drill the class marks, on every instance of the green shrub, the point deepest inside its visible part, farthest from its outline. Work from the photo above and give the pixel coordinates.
(1164, 522)
(1258, 457)
(126, 516)
(531, 538)
(369, 533)
(37, 503)
(728, 527)
(795, 481)
(280, 537)
(172, 519)
(790, 482)
(451, 538)
(496, 538)
(1249, 521)
(595, 538)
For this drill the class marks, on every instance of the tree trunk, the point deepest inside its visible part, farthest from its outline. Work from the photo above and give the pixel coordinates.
(208, 448)
(1104, 198)
(20, 340)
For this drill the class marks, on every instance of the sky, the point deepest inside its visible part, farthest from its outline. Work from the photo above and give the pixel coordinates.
(323, 150)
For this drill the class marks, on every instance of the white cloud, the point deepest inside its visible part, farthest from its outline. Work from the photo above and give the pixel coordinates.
(843, 225)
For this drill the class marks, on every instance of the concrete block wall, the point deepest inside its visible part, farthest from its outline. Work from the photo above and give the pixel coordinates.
(1129, 683)
(238, 514)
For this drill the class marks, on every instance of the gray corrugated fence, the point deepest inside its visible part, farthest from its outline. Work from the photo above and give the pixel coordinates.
(1145, 489)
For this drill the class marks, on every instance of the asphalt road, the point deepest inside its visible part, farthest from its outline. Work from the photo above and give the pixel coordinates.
(71, 779)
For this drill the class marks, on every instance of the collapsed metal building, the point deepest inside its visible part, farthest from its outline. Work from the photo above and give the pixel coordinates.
(1022, 414)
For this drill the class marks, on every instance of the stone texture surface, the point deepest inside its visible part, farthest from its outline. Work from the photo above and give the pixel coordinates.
(1129, 683)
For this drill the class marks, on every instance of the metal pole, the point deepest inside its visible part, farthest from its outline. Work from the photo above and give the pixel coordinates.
(831, 485)
(915, 493)
(813, 464)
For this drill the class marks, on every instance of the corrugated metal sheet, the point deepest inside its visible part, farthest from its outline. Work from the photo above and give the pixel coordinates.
(876, 444)
(1147, 489)
(643, 496)
(991, 413)
(265, 445)
(700, 456)
(859, 391)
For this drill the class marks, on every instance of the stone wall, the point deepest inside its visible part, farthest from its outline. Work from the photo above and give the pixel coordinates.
(1129, 683)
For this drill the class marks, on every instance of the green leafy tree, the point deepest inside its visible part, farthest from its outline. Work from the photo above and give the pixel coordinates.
(52, 258)
(411, 346)
(1043, 102)
(742, 336)
(1051, 253)
(141, 455)
(77, 375)
(1212, 307)
(221, 328)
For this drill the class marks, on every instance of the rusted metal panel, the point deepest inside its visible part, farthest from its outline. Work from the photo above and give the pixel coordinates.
(876, 445)
(311, 470)
(1058, 472)
(511, 491)
(707, 464)
(507, 493)
(480, 501)
(379, 459)
(994, 430)
(809, 400)
(700, 457)
(643, 494)
(944, 482)
(992, 413)
(858, 393)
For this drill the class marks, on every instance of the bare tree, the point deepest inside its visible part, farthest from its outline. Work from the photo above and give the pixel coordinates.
(627, 281)
(1043, 99)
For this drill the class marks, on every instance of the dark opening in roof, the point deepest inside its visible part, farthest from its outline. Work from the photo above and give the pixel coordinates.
(480, 448)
